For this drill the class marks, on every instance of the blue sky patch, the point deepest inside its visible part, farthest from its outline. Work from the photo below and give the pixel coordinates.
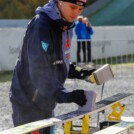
(44, 46)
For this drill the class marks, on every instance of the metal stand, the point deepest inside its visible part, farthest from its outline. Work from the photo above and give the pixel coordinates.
(68, 127)
(118, 109)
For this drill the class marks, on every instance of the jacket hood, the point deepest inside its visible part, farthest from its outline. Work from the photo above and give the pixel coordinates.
(51, 9)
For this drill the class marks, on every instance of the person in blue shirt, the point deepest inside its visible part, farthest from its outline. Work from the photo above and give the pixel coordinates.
(89, 33)
(44, 64)
(80, 31)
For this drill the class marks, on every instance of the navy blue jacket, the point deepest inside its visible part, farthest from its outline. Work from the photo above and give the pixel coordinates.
(43, 64)
(89, 32)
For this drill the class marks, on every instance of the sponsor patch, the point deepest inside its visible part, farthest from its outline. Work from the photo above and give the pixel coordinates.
(68, 56)
(44, 46)
(58, 62)
(81, 2)
(67, 44)
(84, 1)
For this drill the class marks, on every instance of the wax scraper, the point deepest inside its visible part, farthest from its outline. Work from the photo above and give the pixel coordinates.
(101, 75)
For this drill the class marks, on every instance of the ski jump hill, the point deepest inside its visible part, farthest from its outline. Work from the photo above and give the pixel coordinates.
(110, 12)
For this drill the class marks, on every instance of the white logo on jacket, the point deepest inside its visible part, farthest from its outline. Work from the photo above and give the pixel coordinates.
(58, 62)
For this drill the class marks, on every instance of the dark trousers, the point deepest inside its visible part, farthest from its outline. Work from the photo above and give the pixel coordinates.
(79, 45)
(89, 51)
(23, 114)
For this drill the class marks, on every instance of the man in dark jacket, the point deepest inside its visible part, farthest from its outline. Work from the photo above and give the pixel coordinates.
(43, 64)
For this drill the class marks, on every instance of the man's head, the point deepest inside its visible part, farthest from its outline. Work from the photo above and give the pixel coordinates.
(71, 9)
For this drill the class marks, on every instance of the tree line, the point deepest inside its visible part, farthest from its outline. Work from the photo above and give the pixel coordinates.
(21, 9)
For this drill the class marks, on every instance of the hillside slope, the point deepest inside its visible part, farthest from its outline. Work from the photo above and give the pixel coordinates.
(115, 12)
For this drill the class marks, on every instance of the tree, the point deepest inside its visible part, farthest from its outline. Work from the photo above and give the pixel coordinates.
(19, 9)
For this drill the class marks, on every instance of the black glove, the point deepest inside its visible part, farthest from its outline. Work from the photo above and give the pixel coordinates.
(78, 72)
(78, 97)
(85, 72)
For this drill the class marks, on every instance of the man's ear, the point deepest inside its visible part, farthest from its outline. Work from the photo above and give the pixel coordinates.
(60, 2)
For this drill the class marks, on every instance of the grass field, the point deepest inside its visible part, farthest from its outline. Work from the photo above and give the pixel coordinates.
(6, 76)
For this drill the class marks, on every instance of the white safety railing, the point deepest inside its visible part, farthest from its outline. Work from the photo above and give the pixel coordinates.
(106, 47)
(118, 53)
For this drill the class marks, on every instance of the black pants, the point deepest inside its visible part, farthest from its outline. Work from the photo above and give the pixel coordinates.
(83, 45)
(23, 114)
(89, 51)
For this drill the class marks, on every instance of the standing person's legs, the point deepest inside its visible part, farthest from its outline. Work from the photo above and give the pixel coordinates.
(78, 51)
(89, 51)
(84, 51)
(23, 114)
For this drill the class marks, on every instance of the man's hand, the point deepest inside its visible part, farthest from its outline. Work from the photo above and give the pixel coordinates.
(76, 72)
(78, 97)
(84, 73)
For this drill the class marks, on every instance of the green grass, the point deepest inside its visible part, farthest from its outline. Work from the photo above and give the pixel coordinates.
(124, 59)
(115, 60)
(6, 76)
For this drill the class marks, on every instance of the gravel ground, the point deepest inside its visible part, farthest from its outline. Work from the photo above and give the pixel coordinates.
(124, 85)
